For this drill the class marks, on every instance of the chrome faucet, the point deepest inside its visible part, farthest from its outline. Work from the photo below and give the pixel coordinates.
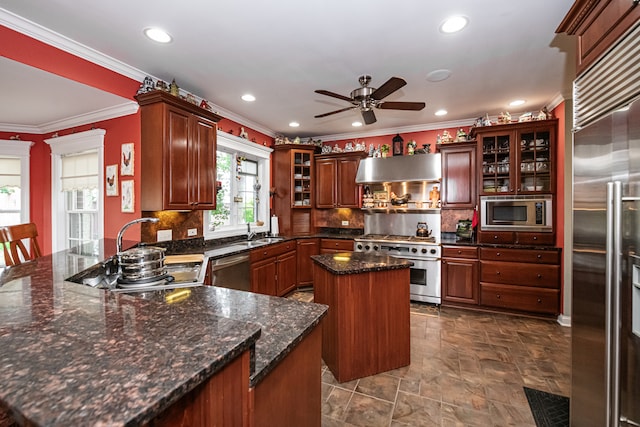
(250, 234)
(127, 225)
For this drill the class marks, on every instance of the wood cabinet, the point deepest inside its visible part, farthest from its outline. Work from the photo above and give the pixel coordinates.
(517, 158)
(460, 267)
(331, 246)
(525, 280)
(336, 180)
(304, 249)
(274, 269)
(516, 237)
(598, 25)
(293, 179)
(458, 188)
(178, 154)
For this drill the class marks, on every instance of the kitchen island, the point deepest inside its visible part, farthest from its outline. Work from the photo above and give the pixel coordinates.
(367, 330)
(74, 355)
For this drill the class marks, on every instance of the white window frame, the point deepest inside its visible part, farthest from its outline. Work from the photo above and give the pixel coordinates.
(255, 152)
(65, 145)
(21, 149)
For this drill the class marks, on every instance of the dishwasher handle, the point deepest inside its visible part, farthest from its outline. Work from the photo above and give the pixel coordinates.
(230, 261)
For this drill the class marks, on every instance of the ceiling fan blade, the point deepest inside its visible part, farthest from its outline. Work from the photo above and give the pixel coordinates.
(402, 105)
(368, 116)
(333, 112)
(333, 94)
(390, 86)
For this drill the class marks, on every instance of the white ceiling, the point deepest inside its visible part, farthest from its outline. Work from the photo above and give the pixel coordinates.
(281, 51)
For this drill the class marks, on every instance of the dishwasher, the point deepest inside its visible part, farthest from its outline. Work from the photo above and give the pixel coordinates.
(231, 272)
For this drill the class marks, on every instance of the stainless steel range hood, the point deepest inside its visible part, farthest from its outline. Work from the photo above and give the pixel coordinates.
(416, 168)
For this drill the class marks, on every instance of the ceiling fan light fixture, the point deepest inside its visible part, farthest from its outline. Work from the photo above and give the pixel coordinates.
(517, 103)
(441, 112)
(294, 124)
(248, 97)
(157, 35)
(454, 24)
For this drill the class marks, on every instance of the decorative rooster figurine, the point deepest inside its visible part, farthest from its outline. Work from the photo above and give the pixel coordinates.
(111, 180)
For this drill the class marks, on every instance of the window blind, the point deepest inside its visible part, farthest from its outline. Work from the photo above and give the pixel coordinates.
(9, 172)
(79, 171)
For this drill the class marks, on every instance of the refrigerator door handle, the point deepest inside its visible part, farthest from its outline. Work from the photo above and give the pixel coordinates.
(613, 310)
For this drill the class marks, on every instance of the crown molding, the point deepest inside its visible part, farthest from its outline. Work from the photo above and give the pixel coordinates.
(83, 119)
(555, 101)
(404, 129)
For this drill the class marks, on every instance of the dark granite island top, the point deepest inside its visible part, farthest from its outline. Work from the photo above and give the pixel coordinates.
(359, 262)
(74, 355)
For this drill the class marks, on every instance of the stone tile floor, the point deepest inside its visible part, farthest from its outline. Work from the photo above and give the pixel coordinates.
(467, 369)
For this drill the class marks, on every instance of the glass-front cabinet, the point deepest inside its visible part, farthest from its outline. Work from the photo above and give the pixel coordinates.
(517, 158)
(301, 179)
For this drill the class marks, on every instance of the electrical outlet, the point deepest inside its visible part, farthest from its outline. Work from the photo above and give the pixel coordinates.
(345, 222)
(192, 232)
(164, 235)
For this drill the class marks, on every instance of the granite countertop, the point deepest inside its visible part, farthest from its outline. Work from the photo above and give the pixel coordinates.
(359, 262)
(71, 353)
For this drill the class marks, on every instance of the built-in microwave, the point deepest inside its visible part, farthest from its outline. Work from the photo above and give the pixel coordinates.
(516, 213)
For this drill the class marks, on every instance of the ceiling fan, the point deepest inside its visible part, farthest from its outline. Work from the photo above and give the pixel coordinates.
(367, 98)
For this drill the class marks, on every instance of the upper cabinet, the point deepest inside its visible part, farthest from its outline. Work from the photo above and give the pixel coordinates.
(335, 180)
(517, 158)
(178, 152)
(598, 25)
(458, 175)
(293, 176)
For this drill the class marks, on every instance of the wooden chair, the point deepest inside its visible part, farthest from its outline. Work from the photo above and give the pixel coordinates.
(7, 256)
(15, 235)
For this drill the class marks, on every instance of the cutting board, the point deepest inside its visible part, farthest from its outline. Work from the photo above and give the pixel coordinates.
(181, 259)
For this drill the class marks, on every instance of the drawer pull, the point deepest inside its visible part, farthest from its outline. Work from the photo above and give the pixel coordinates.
(535, 237)
(497, 253)
(459, 252)
(539, 276)
(498, 296)
(497, 273)
(539, 256)
(495, 237)
(539, 300)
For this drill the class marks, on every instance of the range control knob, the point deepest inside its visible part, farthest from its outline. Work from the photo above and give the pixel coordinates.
(375, 247)
(359, 246)
(432, 251)
(424, 251)
(367, 247)
(414, 250)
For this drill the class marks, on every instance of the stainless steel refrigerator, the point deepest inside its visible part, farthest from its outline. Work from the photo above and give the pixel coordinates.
(605, 317)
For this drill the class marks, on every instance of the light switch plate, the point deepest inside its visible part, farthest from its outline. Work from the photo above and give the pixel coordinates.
(164, 235)
(192, 232)
(345, 222)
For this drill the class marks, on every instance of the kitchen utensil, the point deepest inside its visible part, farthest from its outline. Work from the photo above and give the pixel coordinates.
(423, 230)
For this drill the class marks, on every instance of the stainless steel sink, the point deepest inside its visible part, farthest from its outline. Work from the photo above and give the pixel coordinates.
(268, 240)
(255, 243)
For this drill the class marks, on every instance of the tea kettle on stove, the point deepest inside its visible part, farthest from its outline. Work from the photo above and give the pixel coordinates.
(423, 230)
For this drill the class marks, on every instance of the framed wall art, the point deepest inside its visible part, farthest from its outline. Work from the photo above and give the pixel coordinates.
(126, 166)
(111, 180)
(127, 196)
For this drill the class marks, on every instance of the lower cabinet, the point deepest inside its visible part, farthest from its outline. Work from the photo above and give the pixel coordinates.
(304, 249)
(516, 237)
(520, 279)
(274, 269)
(460, 274)
(331, 246)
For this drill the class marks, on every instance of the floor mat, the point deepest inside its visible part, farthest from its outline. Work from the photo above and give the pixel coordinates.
(549, 410)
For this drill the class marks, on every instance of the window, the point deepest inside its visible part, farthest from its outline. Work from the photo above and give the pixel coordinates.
(77, 191)
(14, 184)
(242, 168)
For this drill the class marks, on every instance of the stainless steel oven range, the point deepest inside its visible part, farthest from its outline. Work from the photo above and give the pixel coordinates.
(425, 253)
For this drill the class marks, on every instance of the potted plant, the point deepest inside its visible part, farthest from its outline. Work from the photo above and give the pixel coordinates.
(384, 150)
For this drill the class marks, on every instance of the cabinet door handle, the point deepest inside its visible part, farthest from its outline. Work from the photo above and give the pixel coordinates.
(497, 273)
(459, 252)
(539, 276)
(497, 253)
(498, 296)
(539, 300)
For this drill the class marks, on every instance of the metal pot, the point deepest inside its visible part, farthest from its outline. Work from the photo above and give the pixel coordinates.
(145, 263)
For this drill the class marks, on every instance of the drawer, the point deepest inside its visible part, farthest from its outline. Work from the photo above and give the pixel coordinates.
(270, 251)
(338, 244)
(535, 238)
(470, 252)
(520, 255)
(520, 298)
(496, 237)
(515, 273)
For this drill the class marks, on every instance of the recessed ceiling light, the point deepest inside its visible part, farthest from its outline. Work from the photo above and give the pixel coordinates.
(438, 75)
(248, 97)
(157, 35)
(356, 124)
(454, 24)
(516, 102)
(441, 112)
(294, 124)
